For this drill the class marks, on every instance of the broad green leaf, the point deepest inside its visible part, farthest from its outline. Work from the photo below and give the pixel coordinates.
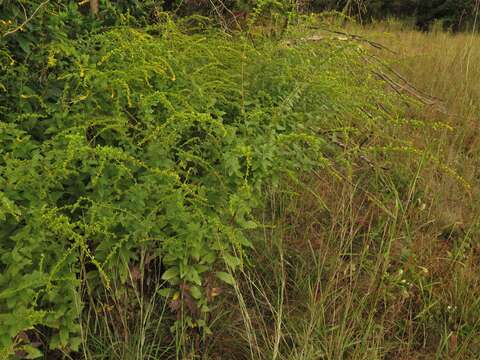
(195, 292)
(32, 352)
(231, 261)
(226, 277)
(170, 274)
(165, 292)
(248, 225)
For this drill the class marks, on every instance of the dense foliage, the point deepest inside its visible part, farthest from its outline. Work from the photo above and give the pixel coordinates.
(124, 149)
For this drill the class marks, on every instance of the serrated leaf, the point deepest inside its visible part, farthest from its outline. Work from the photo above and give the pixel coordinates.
(165, 292)
(226, 277)
(232, 261)
(33, 352)
(193, 276)
(208, 258)
(242, 240)
(64, 333)
(75, 343)
(249, 225)
(195, 292)
(170, 274)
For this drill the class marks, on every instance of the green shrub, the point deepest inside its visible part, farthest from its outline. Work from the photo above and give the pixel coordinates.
(132, 144)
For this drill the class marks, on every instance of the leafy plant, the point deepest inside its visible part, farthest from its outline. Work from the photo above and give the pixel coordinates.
(129, 144)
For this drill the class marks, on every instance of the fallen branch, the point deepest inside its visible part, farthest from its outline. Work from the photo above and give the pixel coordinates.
(356, 37)
(363, 39)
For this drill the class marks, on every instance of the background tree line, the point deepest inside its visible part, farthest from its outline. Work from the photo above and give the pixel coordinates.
(456, 15)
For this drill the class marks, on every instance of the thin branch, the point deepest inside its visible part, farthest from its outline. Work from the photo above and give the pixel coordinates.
(27, 20)
(355, 37)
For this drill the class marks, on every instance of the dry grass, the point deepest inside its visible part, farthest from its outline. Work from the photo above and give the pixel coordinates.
(446, 66)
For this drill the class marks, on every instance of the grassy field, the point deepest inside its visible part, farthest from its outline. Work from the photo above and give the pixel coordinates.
(373, 262)
(355, 272)
(306, 192)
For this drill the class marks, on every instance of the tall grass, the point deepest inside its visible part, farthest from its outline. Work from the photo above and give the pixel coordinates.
(383, 266)
(368, 215)
(444, 65)
(376, 258)
(252, 91)
(368, 260)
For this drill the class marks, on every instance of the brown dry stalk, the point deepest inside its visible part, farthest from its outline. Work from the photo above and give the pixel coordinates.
(20, 27)
(94, 7)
